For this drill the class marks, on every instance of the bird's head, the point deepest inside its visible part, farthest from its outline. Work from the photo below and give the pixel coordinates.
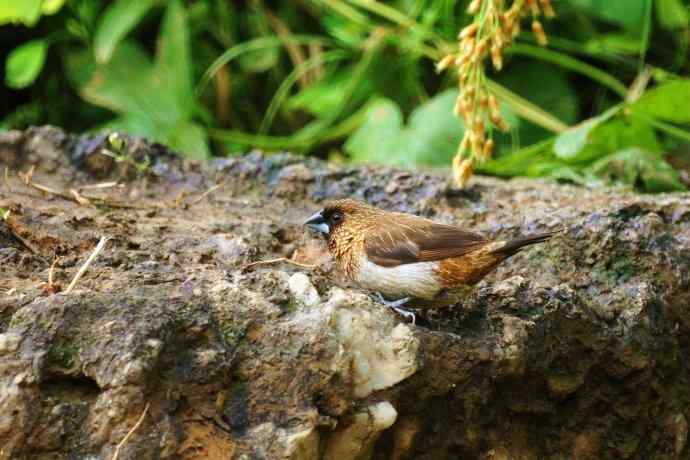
(338, 214)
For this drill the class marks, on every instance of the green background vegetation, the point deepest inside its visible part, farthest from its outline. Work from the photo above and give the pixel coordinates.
(607, 102)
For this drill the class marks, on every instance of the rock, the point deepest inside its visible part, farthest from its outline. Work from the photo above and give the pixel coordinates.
(378, 352)
(356, 439)
(9, 342)
(576, 348)
(304, 292)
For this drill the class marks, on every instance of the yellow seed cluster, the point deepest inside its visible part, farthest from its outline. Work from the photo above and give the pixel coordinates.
(496, 23)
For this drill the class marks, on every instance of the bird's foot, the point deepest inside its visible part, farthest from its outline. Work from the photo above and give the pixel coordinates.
(406, 313)
(395, 305)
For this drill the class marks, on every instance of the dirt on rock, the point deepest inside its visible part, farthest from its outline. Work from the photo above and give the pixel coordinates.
(171, 347)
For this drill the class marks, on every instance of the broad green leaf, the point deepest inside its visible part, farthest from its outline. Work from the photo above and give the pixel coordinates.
(377, 139)
(557, 170)
(327, 96)
(173, 60)
(522, 161)
(322, 97)
(672, 14)
(155, 101)
(350, 33)
(434, 132)
(118, 20)
(569, 144)
(121, 85)
(189, 139)
(24, 63)
(431, 137)
(670, 102)
(619, 133)
(25, 11)
(136, 124)
(626, 13)
(49, 7)
(637, 166)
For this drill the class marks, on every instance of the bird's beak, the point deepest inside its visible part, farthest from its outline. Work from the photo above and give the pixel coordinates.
(318, 223)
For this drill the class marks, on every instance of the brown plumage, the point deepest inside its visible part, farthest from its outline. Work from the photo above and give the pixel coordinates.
(401, 255)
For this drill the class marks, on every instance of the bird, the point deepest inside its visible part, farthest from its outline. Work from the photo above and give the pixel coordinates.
(403, 259)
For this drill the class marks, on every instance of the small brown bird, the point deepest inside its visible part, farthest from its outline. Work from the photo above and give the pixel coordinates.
(407, 257)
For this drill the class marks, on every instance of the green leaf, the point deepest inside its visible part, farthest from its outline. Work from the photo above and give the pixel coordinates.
(668, 101)
(154, 100)
(434, 132)
(24, 11)
(376, 140)
(49, 7)
(627, 13)
(118, 20)
(431, 137)
(173, 60)
(121, 85)
(348, 32)
(637, 167)
(571, 143)
(520, 162)
(259, 60)
(614, 43)
(322, 97)
(672, 14)
(327, 95)
(136, 124)
(545, 86)
(190, 139)
(24, 63)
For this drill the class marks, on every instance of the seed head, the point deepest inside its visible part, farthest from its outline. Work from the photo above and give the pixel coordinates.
(462, 170)
(538, 32)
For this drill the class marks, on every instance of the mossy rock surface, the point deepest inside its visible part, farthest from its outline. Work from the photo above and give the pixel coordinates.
(576, 348)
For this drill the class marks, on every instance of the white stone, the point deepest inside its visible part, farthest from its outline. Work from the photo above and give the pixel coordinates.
(380, 353)
(9, 342)
(302, 290)
(356, 439)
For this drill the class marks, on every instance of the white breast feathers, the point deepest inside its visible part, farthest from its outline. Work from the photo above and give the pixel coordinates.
(407, 280)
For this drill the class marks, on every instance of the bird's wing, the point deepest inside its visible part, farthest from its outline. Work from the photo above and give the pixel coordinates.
(408, 241)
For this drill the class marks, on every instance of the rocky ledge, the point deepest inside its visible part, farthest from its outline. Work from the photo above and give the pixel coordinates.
(171, 347)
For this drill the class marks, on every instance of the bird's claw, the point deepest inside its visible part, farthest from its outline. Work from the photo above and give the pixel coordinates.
(405, 313)
(396, 306)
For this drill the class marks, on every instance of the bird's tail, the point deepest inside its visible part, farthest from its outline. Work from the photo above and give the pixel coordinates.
(514, 246)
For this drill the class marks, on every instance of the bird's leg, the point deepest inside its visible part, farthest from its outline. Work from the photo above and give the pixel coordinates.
(396, 306)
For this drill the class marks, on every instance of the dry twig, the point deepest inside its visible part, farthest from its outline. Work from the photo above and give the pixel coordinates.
(99, 247)
(79, 198)
(14, 233)
(26, 177)
(276, 261)
(7, 179)
(205, 194)
(75, 195)
(100, 185)
(179, 199)
(52, 287)
(130, 432)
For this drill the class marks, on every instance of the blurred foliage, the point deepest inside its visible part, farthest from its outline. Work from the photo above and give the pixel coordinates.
(606, 102)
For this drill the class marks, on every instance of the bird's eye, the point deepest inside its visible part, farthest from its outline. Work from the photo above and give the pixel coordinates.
(336, 217)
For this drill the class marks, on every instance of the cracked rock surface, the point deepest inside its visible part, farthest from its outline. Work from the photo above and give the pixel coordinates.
(577, 348)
